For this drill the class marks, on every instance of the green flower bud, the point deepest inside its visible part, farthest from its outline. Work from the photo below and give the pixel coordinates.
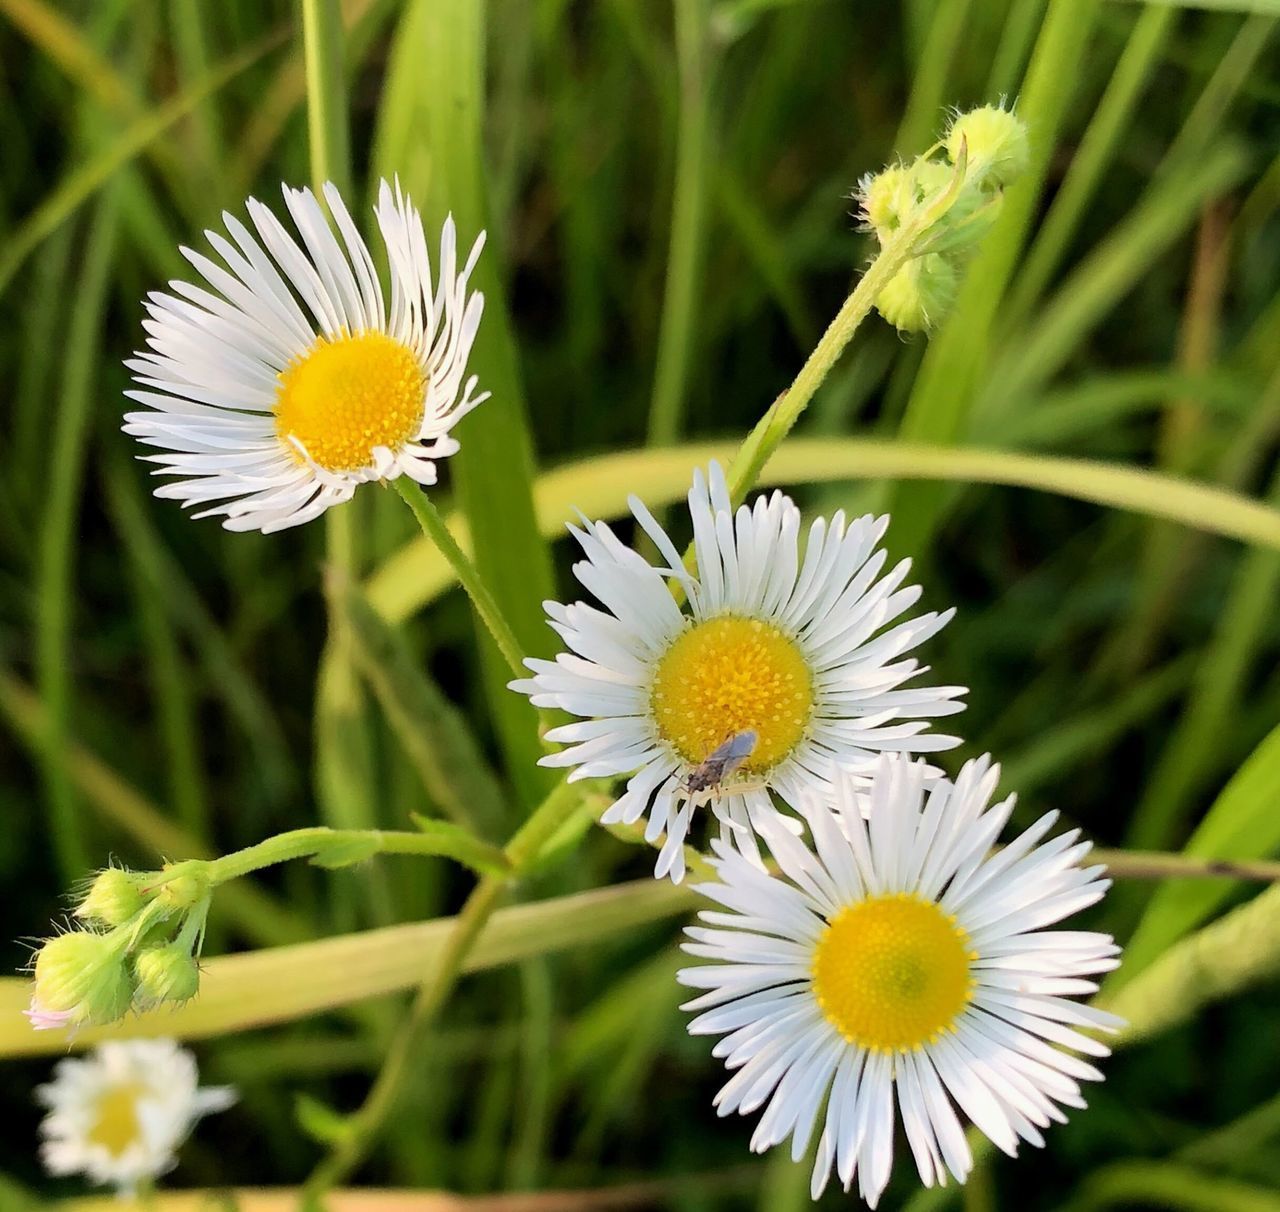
(167, 974)
(185, 891)
(115, 897)
(83, 977)
(996, 145)
(883, 199)
(920, 294)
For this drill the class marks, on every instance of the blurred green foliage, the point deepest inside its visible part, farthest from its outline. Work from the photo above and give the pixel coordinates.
(667, 197)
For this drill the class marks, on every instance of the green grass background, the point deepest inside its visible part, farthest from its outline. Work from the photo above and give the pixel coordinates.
(666, 190)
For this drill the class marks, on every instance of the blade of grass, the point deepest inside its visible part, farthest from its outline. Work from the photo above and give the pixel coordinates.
(599, 487)
(1203, 126)
(1220, 960)
(1243, 626)
(1010, 59)
(1108, 273)
(79, 185)
(1163, 1184)
(432, 732)
(678, 325)
(282, 984)
(223, 667)
(953, 366)
(259, 916)
(430, 133)
(55, 578)
(929, 80)
(171, 684)
(1243, 823)
(1097, 150)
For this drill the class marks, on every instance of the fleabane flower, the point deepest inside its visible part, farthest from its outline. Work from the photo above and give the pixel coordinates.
(119, 1115)
(288, 381)
(799, 655)
(902, 961)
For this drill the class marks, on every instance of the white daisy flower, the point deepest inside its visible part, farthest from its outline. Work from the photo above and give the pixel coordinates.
(903, 961)
(119, 1115)
(289, 383)
(796, 659)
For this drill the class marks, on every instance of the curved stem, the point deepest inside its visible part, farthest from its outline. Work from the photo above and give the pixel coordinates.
(433, 526)
(437, 984)
(337, 847)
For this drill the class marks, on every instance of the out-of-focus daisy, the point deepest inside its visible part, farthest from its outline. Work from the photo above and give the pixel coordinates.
(902, 961)
(119, 1115)
(278, 391)
(801, 651)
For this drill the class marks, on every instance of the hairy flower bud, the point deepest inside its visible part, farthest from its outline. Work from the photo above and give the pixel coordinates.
(995, 142)
(881, 196)
(184, 891)
(115, 897)
(920, 294)
(80, 978)
(167, 974)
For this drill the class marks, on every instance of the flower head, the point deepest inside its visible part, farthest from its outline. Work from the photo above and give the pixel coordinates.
(80, 977)
(277, 392)
(119, 1115)
(995, 144)
(114, 898)
(794, 658)
(901, 961)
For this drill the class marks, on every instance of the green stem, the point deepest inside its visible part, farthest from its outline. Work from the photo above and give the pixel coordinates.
(433, 526)
(434, 990)
(688, 223)
(323, 843)
(774, 426)
(1158, 865)
(326, 93)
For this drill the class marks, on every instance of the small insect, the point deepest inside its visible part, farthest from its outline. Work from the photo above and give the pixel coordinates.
(721, 762)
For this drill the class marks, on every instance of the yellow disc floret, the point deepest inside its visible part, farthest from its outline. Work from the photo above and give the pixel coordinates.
(116, 1123)
(725, 676)
(348, 395)
(892, 973)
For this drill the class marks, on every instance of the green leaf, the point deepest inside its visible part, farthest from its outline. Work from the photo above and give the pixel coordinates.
(1243, 823)
(430, 135)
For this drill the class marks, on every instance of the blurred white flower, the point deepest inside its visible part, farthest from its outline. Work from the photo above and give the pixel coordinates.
(119, 1114)
(278, 392)
(902, 961)
(800, 652)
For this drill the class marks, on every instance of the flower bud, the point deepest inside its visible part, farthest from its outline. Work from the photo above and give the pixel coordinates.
(883, 199)
(183, 892)
(167, 974)
(996, 145)
(920, 294)
(115, 897)
(81, 978)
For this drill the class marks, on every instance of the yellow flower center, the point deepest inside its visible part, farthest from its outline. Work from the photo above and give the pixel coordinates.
(892, 973)
(347, 395)
(117, 1125)
(727, 675)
